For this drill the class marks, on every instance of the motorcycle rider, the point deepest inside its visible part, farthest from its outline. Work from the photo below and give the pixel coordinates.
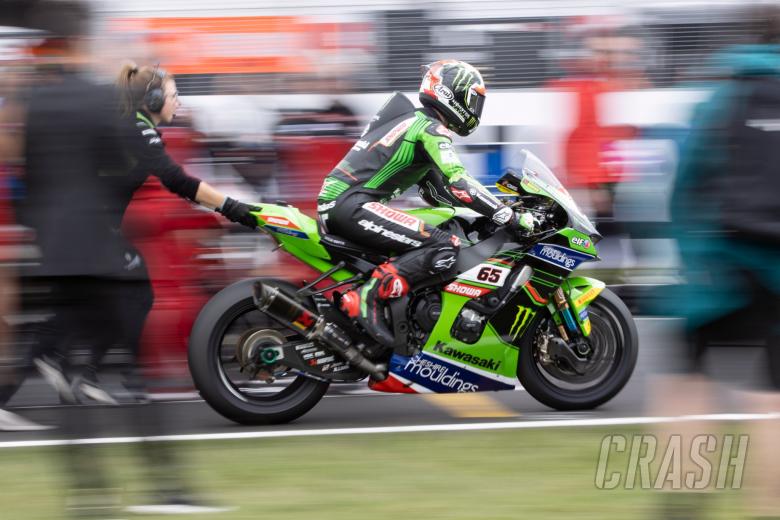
(397, 150)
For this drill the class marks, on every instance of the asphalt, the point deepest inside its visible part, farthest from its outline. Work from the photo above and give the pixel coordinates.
(354, 406)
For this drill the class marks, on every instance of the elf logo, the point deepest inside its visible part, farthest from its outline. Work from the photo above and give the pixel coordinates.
(582, 242)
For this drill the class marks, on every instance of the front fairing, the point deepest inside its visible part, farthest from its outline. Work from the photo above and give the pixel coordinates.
(538, 179)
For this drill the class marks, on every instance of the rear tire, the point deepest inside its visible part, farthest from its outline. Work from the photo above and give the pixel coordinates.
(543, 388)
(211, 380)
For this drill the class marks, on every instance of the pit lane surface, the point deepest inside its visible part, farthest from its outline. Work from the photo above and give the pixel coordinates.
(354, 406)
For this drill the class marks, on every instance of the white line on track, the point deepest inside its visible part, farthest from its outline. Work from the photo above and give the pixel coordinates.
(658, 318)
(194, 397)
(509, 425)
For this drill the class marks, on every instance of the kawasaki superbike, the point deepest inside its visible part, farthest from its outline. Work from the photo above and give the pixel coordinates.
(509, 313)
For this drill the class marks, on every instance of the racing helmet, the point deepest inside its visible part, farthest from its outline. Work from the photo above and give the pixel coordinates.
(457, 91)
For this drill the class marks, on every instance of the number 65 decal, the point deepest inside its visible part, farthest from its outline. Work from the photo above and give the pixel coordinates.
(487, 274)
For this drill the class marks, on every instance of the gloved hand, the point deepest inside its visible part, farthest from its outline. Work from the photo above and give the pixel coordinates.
(503, 216)
(525, 221)
(236, 211)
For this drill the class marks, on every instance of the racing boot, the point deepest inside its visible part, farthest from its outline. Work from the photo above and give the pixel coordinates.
(366, 305)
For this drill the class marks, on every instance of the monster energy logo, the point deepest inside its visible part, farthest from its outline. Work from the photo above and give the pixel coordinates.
(522, 320)
(463, 77)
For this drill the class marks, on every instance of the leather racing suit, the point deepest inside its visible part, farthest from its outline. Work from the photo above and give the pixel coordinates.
(399, 147)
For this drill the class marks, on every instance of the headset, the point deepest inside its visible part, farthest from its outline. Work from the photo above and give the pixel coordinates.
(154, 98)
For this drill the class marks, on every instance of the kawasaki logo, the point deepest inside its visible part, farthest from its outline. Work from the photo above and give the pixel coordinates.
(489, 364)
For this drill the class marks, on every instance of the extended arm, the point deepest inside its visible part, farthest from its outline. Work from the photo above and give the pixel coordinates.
(147, 150)
(461, 187)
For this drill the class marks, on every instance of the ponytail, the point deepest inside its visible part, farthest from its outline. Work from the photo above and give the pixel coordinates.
(124, 85)
(133, 83)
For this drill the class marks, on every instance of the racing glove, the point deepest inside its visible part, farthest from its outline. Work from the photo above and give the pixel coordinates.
(502, 216)
(523, 220)
(239, 212)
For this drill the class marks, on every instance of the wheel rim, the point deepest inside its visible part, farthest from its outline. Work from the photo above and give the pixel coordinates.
(245, 319)
(607, 340)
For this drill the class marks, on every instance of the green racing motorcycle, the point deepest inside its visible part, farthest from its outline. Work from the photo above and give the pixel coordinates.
(510, 313)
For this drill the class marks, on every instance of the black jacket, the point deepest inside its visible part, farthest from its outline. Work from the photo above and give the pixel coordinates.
(144, 155)
(83, 164)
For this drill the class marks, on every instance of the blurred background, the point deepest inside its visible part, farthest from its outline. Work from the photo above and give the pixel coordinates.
(274, 93)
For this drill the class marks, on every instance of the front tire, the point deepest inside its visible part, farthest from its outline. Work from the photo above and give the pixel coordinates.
(229, 314)
(611, 322)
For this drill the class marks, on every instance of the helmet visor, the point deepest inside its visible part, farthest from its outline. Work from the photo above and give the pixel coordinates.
(474, 102)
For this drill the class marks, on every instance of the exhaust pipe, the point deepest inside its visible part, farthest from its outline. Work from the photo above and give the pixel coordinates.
(312, 326)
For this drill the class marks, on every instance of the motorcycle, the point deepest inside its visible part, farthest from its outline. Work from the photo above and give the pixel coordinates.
(264, 351)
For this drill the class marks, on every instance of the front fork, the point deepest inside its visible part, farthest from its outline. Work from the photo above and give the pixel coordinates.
(570, 315)
(569, 306)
